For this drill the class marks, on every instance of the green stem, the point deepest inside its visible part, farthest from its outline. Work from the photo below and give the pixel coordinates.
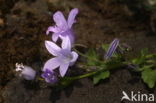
(150, 56)
(88, 57)
(81, 53)
(93, 73)
(84, 75)
(67, 80)
(80, 45)
(39, 78)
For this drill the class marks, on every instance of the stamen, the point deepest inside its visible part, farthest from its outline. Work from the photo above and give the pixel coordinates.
(19, 67)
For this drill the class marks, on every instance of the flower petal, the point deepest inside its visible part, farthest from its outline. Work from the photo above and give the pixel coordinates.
(66, 43)
(71, 17)
(52, 29)
(71, 36)
(55, 37)
(51, 64)
(63, 69)
(52, 48)
(59, 19)
(112, 47)
(28, 73)
(75, 56)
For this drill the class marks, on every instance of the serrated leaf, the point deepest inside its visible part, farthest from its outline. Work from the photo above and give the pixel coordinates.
(100, 75)
(149, 77)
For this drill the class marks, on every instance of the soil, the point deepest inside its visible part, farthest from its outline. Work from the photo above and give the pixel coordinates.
(22, 34)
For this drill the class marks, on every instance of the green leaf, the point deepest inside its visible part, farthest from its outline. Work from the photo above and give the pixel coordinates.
(100, 75)
(146, 67)
(142, 58)
(92, 55)
(115, 63)
(65, 81)
(144, 52)
(149, 77)
(105, 47)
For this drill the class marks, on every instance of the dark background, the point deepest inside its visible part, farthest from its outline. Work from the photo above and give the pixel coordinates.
(23, 24)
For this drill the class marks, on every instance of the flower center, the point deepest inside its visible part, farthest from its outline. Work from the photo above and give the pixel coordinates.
(50, 76)
(19, 67)
(65, 56)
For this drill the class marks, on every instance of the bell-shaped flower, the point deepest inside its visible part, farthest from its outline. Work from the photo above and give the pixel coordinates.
(25, 72)
(64, 57)
(49, 76)
(63, 27)
(112, 48)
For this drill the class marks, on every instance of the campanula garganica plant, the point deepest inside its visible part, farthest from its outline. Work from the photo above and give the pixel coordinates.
(65, 55)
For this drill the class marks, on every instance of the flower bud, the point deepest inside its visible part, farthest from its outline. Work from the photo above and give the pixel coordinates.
(49, 76)
(25, 72)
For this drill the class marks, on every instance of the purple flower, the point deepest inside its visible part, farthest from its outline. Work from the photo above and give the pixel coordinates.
(25, 71)
(63, 27)
(50, 76)
(64, 57)
(112, 48)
